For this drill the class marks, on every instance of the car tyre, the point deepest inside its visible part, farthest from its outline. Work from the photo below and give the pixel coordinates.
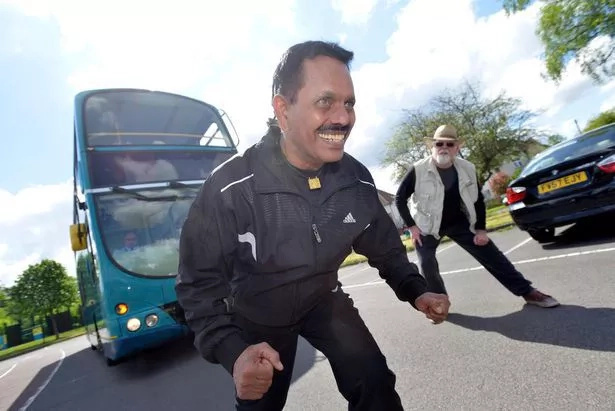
(543, 235)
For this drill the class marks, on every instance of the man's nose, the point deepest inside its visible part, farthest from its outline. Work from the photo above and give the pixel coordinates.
(341, 115)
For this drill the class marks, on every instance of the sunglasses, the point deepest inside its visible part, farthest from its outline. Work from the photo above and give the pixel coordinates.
(442, 143)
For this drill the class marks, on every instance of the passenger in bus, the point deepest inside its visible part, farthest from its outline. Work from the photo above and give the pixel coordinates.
(145, 167)
(263, 242)
(131, 242)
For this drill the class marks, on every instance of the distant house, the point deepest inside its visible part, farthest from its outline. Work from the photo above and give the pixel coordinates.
(388, 201)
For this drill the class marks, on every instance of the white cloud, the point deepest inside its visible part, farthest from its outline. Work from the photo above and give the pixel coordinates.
(439, 44)
(354, 11)
(160, 45)
(609, 101)
(33, 226)
(567, 128)
(32, 202)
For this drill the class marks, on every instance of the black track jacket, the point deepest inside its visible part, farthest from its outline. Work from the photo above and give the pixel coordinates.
(252, 244)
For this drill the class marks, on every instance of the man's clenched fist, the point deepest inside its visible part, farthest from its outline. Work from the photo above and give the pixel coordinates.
(253, 371)
(434, 306)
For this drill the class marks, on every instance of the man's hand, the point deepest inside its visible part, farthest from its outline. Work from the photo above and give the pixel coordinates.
(253, 371)
(480, 238)
(434, 306)
(415, 231)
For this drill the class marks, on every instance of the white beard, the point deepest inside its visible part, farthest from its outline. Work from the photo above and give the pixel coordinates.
(443, 159)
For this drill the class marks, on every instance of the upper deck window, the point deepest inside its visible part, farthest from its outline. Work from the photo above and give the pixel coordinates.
(135, 117)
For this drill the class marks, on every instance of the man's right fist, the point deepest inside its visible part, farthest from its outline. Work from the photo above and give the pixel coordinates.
(253, 371)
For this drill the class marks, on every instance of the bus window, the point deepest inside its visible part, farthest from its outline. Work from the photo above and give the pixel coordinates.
(149, 118)
(121, 168)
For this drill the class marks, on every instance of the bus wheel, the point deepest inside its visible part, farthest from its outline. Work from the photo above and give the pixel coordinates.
(112, 363)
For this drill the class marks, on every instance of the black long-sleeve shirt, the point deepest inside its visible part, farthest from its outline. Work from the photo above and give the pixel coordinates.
(451, 210)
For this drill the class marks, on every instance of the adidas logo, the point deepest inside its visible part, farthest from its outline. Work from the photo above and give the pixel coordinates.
(349, 219)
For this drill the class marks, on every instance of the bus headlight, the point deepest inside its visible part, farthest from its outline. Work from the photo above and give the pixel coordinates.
(151, 320)
(133, 324)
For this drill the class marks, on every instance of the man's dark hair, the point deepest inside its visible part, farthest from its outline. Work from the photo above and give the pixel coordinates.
(288, 76)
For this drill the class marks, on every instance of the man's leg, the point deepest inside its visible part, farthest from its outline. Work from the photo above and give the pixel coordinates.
(429, 264)
(335, 328)
(284, 341)
(490, 257)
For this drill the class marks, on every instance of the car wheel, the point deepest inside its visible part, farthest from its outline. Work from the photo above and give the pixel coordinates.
(544, 235)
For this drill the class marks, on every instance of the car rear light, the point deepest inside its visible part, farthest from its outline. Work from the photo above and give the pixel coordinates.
(515, 194)
(608, 164)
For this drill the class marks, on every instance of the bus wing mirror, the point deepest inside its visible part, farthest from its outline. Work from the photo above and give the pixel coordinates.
(78, 237)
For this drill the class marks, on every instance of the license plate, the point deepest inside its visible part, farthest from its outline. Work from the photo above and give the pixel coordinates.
(562, 182)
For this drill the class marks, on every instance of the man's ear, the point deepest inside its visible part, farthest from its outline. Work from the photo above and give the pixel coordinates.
(280, 108)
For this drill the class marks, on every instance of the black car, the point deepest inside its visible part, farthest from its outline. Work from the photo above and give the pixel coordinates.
(565, 183)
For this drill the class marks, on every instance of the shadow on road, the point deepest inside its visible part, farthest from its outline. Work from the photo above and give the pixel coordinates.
(567, 326)
(171, 377)
(593, 231)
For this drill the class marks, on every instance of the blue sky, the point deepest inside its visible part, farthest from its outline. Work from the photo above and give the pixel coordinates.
(225, 53)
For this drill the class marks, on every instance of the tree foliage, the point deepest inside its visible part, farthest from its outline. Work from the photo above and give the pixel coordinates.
(494, 130)
(44, 289)
(583, 30)
(554, 139)
(602, 119)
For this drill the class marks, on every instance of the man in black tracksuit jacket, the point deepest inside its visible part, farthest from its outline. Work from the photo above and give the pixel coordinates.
(262, 245)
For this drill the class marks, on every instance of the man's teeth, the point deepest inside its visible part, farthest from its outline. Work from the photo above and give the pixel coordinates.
(332, 137)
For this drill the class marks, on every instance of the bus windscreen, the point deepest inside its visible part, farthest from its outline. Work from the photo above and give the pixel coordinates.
(140, 229)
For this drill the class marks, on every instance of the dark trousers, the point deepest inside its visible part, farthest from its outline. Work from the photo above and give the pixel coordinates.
(335, 328)
(489, 256)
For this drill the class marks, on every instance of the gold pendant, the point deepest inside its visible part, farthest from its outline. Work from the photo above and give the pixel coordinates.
(314, 183)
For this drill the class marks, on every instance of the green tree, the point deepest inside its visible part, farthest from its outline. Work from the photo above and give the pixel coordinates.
(4, 297)
(494, 130)
(583, 30)
(554, 139)
(602, 119)
(44, 289)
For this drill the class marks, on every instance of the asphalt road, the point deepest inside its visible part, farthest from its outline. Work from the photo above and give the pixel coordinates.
(494, 352)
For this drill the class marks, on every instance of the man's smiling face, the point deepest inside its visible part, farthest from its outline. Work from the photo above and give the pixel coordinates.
(317, 124)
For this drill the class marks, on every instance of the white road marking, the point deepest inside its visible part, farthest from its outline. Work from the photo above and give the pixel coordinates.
(42, 387)
(445, 248)
(355, 272)
(10, 369)
(522, 243)
(532, 260)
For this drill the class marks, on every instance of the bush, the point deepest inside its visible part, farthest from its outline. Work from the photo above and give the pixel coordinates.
(498, 183)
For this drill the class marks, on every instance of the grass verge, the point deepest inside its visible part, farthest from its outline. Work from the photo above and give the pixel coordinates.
(35, 345)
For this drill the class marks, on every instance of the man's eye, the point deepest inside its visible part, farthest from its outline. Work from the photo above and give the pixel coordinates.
(349, 104)
(324, 101)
